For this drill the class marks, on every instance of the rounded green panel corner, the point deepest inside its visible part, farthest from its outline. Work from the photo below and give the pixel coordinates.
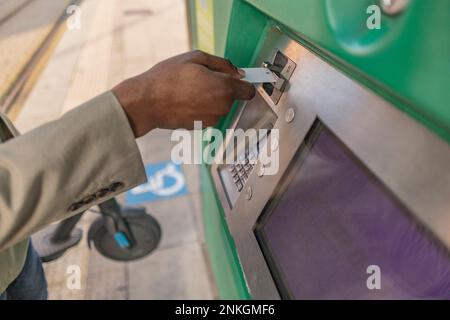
(407, 60)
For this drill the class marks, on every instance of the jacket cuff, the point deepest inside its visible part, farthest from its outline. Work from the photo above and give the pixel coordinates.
(120, 160)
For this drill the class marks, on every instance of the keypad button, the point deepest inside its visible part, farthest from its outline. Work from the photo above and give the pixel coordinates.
(239, 186)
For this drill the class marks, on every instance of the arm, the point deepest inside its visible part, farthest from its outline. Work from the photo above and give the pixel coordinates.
(65, 167)
(90, 155)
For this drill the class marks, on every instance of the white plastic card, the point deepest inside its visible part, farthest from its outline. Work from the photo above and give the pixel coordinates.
(259, 75)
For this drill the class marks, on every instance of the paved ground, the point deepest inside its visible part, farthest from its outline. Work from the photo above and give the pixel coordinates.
(24, 24)
(119, 39)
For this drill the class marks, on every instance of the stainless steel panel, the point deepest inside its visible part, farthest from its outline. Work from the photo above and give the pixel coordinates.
(407, 158)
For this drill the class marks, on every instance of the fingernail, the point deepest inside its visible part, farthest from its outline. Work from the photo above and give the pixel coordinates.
(241, 72)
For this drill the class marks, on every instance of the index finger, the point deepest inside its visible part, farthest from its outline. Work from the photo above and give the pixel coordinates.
(218, 64)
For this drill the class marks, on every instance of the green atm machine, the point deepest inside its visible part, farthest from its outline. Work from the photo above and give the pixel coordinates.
(359, 206)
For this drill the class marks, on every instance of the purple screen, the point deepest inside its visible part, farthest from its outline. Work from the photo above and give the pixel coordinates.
(334, 220)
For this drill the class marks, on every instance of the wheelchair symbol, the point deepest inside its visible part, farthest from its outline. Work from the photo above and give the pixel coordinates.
(157, 182)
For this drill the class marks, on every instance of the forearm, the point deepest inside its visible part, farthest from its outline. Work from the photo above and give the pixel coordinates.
(65, 167)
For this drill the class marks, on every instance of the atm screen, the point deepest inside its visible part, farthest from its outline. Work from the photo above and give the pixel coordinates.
(333, 231)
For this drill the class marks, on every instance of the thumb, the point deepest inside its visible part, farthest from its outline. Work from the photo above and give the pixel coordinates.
(243, 90)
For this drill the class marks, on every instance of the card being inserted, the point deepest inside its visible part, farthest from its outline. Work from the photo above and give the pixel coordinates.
(259, 75)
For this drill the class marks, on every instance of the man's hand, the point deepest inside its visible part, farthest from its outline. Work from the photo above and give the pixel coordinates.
(183, 89)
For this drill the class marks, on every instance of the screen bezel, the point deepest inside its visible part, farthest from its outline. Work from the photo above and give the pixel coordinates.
(271, 205)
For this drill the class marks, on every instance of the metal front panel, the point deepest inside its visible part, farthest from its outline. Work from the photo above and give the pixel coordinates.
(407, 158)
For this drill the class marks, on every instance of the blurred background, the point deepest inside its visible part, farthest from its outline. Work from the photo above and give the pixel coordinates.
(55, 56)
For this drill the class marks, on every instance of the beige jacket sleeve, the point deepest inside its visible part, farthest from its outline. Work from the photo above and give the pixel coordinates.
(66, 166)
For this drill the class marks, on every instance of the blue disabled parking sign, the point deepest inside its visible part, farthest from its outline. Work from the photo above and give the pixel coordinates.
(165, 180)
